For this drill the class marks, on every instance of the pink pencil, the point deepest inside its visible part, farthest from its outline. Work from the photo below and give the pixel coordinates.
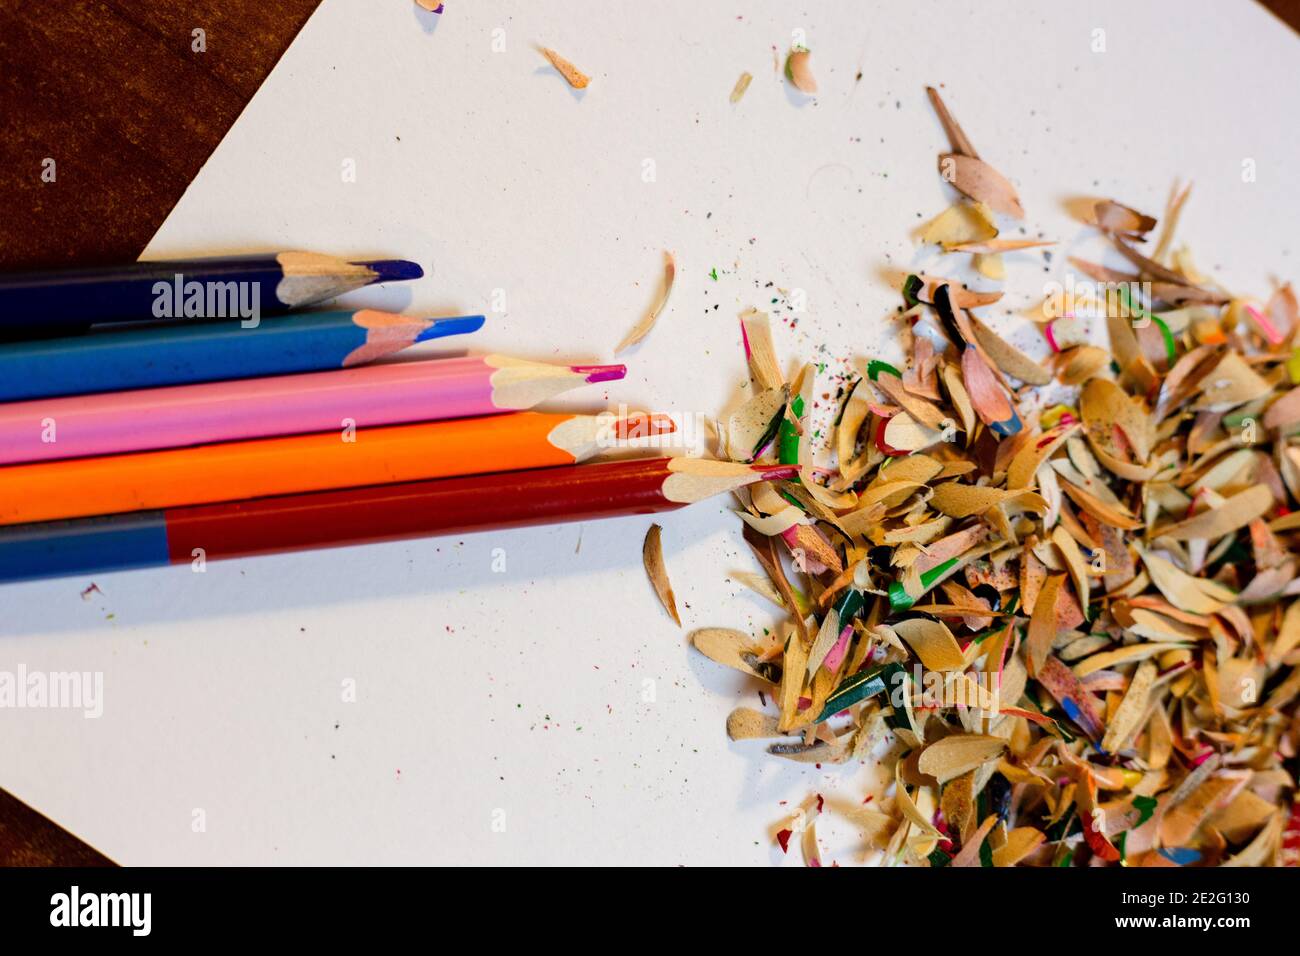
(181, 415)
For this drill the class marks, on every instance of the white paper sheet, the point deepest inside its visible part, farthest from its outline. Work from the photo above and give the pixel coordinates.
(551, 713)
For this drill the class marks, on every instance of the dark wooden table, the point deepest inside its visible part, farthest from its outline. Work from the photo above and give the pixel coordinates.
(115, 93)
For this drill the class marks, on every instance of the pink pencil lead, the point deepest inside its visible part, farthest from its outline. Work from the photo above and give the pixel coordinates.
(775, 472)
(600, 373)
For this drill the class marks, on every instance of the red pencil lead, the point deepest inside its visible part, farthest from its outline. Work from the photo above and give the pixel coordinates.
(642, 424)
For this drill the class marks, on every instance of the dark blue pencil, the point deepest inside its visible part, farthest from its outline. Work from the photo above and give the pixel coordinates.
(149, 356)
(244, 287)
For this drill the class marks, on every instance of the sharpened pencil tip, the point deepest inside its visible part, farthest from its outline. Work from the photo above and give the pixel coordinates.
(459, 325)
(392, 270)
(600, 373)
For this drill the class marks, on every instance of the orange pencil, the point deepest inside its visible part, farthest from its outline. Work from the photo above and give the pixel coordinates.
(230, 471)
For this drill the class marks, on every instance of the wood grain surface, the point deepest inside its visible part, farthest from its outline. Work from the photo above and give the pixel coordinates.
(1287, 11)
(117, 96)
(29, 839)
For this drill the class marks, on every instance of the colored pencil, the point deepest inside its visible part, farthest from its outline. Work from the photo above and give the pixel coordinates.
(143, 419)
(111, 361)
(79, 487)
(216, 288)
(361, 515)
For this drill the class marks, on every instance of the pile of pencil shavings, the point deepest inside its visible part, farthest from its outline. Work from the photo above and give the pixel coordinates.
(1072, 627)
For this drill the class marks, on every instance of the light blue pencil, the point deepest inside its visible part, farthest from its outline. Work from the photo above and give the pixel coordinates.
(150, 356)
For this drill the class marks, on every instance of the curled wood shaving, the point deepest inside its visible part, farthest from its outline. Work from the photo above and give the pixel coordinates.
(909, 807)
(991, 265)
(1179, 823)
(1042, 623)
(923, 412)
(956, 137)
(1020, 473)
(755, 423)
(764, 548)
(904, 433)
(756, 330)
(1009, 358)
(962, 501)
(987, 397)
(760, 585)
(798, 70)
(642, 328)
(1082, 363)
(790, 692)
(1129, 713)
(1116, 217)
(742, 84)
(982, 183)
(1133, 365)
(1183, 590)
(966, 171)
(994, 247)
(970, 851)
(1236, 512)
(575, 77)
(961, 399)
(1232, 382)
(962, 297)
(777, 523)
(732, 649)
(1173, 210)
(1073, 562)
(1021, 842)
(932, 643)
(652, 554)
(856, 410)
(1118, 429)
(960, 224)
(953, 756)
(745, 723)
(1149, 267)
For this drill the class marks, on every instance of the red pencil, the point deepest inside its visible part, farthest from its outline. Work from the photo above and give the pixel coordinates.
(375, 513)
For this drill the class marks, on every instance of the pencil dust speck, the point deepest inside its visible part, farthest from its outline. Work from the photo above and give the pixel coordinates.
(742, 84)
